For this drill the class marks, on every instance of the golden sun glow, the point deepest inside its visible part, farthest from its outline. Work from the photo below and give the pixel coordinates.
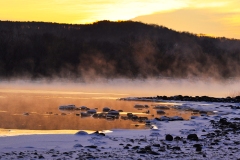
(219, 18)
(72, 11)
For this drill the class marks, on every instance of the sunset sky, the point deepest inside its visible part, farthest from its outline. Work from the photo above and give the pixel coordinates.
(211, 17)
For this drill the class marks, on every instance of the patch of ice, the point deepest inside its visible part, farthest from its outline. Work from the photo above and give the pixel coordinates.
(154, 127)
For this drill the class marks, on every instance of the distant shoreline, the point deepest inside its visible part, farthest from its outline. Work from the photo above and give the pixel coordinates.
(185, 98)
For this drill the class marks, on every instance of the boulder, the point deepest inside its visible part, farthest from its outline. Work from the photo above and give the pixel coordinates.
(153, 153)
(134, 118)
(194, 117)
(155, 134)
(26, 114)
(102, 115)
(135, 147)
(161, 107)
(91, 146)
(164, 118)
(139, 106)
(67, 107)
(113, 112)
(98, 134)
(84, 108)
(156, 145)
(81, 133)
(168, 137)
(129, 115)
(111, 117)
(203, 112)
(198, 147)
(176, 148)
(141, 151)
(147, 122)
(92, 111)
(177, 138)
(77, 145)
(95, 115)
(160, 112)
(177, 118)
(148, 148)
(84, 114)
(162, 149)
(106, 109)
(192, 137)
(143, 118)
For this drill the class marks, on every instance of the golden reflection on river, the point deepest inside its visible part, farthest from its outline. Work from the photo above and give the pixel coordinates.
(38, 110)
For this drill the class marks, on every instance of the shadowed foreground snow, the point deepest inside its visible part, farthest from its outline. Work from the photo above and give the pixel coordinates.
(215, 136)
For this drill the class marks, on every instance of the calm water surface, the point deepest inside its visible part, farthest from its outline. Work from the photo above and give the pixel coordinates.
(44, 114)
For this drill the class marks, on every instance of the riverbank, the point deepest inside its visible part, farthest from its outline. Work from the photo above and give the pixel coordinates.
(202, 137)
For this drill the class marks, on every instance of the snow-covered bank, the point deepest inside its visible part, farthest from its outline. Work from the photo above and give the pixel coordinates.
(214, 136)
(19, 132)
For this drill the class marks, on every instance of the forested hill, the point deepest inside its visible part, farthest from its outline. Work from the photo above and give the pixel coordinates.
(112, 50)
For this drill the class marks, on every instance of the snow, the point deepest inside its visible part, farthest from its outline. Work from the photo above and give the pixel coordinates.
(132, 144)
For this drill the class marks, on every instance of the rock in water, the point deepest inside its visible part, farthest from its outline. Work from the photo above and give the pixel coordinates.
(139, 106)
(106, 109)
(160, 112)
(194, 117)
(177, 118)
(98, 134)
(83, 114)
(95, 115)
(81, 133)
(113, 112)
(67, 107)
(26, 114)
(164, 118)
(83, 108)
(161, 107)
(92, 111)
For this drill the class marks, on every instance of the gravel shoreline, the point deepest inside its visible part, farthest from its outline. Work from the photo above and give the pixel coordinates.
(203, 137)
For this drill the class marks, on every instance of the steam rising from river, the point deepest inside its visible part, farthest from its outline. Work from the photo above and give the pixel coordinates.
(117, 88)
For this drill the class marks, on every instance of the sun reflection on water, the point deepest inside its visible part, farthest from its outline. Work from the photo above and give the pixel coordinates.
(38, 111)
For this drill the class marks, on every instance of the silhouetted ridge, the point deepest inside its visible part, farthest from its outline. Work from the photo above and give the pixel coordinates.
(112, 50)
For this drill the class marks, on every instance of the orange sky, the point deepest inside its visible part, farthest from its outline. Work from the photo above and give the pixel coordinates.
(211, 17)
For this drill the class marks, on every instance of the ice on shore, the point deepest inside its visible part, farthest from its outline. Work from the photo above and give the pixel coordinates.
(207, 143)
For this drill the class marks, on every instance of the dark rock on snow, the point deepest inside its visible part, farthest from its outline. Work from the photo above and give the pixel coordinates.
(192, 137)
(169, 137)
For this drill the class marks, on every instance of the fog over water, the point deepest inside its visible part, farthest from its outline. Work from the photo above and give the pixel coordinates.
(117, 88)
(41, 100)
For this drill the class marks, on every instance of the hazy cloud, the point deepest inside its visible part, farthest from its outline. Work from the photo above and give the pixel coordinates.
(206, 21)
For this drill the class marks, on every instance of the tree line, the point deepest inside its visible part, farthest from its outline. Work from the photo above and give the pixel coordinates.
(108, 49)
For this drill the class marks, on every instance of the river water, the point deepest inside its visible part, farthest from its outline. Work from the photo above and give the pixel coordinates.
(39, 110)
